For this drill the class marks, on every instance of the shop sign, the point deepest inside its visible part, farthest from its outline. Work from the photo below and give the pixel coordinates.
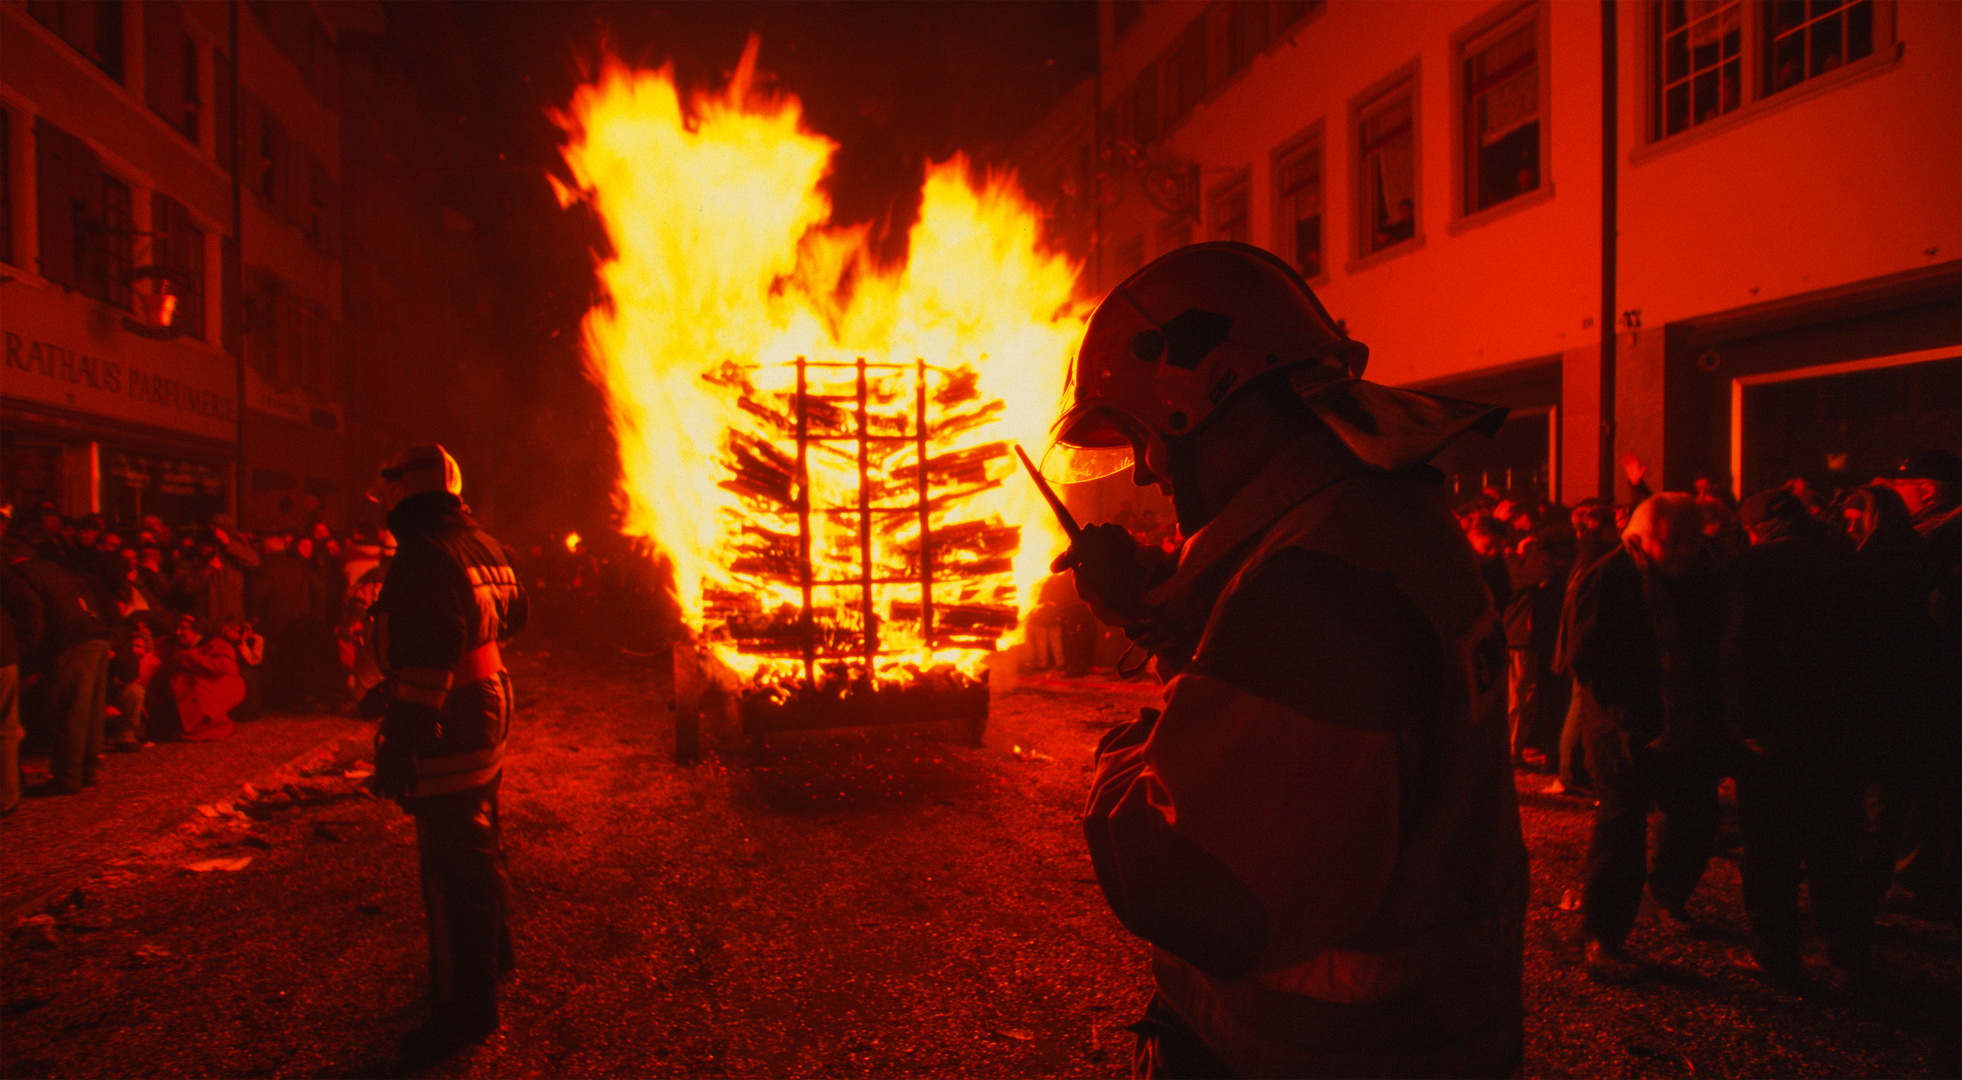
(114, 375)
(291, 403)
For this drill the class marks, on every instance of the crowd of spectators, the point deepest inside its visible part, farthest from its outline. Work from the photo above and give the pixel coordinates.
(1804, 646)
(114, 636)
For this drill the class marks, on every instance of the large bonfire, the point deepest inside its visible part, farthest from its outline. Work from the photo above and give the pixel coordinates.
(773, 390)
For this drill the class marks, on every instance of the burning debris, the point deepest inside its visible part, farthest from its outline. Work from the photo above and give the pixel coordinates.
(845, 539)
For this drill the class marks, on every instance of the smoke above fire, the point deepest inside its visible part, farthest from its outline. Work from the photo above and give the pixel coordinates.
(724, 270)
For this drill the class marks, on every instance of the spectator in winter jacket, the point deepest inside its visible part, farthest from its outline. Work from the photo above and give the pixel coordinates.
(1916, 681)
(21, 623)
(1794, 627)
(73, 656)
(131, 667)
(1641, 636)
(285, 601)
(1536, 695)
(211, 580)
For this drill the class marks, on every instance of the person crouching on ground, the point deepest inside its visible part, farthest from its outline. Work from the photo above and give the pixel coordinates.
(205, 683)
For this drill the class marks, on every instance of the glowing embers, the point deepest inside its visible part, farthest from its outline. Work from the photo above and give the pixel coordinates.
(847, 557)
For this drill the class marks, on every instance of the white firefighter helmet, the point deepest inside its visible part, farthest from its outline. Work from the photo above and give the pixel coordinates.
(1178, 339)
(414, 470)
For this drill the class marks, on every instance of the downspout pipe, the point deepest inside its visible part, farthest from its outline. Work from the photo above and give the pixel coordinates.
(1610, 213)
(235, 305)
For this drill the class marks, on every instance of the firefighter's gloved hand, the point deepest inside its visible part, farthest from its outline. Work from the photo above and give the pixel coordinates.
(375, 702)
(1109, 574)
(405, 728)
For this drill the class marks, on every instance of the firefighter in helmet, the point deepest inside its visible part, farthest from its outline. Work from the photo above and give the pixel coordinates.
(1317, 833)
(448, 599)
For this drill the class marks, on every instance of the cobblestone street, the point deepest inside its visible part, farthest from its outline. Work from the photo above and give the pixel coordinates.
(879, 903)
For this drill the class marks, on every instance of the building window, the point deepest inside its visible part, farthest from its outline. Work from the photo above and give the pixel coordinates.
(7, 187)
(1230, 211)
(271, 152)
(1289, 12)
(1174, 233)
(105, 246)
(1699, 60)
(259, 321)
(1185, 72)
(178, 244)
(1124, 14)
(1299, 181)
(1803, 41)
(1246, 32)
(224, 111)
(93, 27)
(1502, 114)
(1128, 258)
(170, 61)
(1387, 152)
(1136, 120)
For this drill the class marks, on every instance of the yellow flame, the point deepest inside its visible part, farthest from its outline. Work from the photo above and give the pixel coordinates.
(572, 542)
(721, 256)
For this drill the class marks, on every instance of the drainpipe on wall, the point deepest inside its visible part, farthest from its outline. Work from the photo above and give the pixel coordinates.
(235, 305)
(1096, 176)
(1610, 195)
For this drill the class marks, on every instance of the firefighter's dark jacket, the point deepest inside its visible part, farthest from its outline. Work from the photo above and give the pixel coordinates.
(1319, 835)
(450, 595)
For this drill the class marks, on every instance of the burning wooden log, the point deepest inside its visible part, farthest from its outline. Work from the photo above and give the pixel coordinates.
(956, 618)
(758, 470)
(969, 468)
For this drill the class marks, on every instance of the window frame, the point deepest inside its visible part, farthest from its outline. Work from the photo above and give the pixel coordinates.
(1175, 232)
(9, 251)
(1467, 43)
(1309, 141)
(1403, 82)
(1237, 185)
(117, 249)
(1176, 64)
(1241, 17)
(1757, 100)
(1882, 34)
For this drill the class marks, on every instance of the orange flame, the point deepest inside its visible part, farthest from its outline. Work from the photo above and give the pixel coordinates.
(722, 257)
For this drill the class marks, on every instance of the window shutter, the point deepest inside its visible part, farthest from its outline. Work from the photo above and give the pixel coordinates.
(163, 60)
(69, 178)
(284, 173)
(224, 116)
(231, 296)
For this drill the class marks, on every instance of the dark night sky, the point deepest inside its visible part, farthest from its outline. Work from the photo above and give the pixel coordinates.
(894, 84)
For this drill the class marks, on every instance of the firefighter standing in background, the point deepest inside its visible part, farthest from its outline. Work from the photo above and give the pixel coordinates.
(1318, 833)
(448, 599)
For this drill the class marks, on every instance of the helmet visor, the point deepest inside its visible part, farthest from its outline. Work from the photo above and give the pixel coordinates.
(1092, 443)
